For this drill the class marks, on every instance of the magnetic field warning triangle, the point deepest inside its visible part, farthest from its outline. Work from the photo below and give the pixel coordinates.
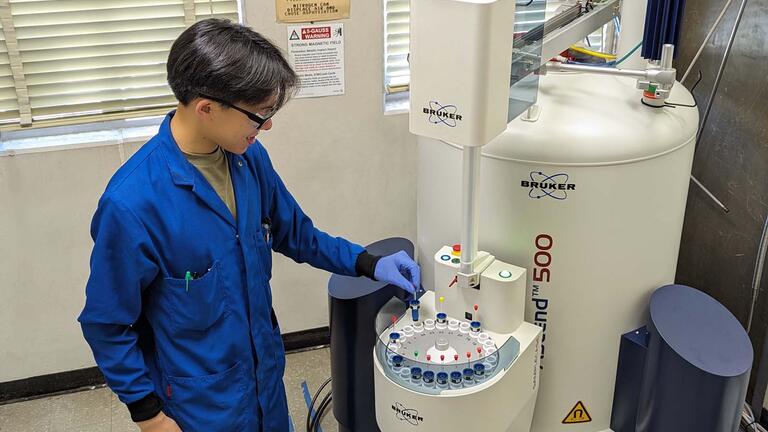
(294, 36)
(578, 414)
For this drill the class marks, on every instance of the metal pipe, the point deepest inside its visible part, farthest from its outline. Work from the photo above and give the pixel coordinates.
(715, 87)
(720, 71)
(470, 193)
(706, 40)
(662, 76)
(709, 194)
(598, 70)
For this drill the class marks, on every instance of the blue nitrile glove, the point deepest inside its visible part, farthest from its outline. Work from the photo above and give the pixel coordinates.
(399, 269)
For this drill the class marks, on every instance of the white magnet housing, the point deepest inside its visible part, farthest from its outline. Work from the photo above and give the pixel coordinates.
(592, 205)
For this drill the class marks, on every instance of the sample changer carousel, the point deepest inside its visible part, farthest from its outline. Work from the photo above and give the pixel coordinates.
(447, 363)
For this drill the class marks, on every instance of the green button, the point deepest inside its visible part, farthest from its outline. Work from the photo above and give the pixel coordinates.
(506, 274)
(455, 260)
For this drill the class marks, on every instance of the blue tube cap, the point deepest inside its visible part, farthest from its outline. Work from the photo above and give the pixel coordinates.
(479, 369)
(469, 374)
(416, 373)
(456, 377)
(442, 378)
(397, 360)
(428, 376)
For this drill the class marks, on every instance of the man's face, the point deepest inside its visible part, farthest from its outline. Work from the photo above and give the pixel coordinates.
(233, 130)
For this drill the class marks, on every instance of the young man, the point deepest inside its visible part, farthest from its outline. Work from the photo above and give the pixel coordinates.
(178, 311)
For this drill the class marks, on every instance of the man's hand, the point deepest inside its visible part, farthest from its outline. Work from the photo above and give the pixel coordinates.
(159, 423)
(399, 269)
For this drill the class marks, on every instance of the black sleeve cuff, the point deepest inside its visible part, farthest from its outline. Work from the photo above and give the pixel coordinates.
(366, 264)
(145, 408)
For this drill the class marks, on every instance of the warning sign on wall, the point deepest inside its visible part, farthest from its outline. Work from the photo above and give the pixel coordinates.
(292, 11)
(578, 414)
(316, 53)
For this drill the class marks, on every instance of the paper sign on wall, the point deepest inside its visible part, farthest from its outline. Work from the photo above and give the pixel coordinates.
(291, 11)
(316, 53)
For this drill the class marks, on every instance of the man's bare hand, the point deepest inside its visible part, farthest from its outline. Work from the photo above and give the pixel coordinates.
(159, 423)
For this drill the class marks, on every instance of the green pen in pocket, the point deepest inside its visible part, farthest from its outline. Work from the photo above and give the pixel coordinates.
(187, 278)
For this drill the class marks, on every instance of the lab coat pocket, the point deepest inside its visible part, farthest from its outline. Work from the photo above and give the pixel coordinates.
(211, 402)
(196, 304)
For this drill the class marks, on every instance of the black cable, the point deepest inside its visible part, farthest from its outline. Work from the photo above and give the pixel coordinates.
(317, 418)
(524, 5)
(322, 409)
(312, 404)
(320, 412)
(698, 80)
(642, 101)
(695, 102)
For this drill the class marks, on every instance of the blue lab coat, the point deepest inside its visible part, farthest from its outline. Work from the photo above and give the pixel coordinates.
(210, 347)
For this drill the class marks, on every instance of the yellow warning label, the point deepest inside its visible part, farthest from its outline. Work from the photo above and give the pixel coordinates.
(578, 414)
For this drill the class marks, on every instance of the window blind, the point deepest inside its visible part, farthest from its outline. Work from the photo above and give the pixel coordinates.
(85, 57)
(396, 45)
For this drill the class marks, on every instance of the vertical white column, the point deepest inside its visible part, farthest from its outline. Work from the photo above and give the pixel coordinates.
(470, 191)
(632, 28)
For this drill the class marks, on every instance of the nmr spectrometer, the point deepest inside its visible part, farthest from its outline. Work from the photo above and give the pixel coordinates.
(585, 172)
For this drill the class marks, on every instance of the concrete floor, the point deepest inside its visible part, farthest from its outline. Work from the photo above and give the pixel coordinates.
(99, 410)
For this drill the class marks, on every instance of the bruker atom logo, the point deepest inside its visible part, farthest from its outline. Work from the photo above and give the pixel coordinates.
(554, 186)
(409, 415)
(442, 114)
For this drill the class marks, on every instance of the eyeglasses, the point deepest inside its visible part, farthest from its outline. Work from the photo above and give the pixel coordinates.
(256, 118)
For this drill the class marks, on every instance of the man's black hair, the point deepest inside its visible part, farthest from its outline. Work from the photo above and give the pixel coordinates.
(222, 59)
